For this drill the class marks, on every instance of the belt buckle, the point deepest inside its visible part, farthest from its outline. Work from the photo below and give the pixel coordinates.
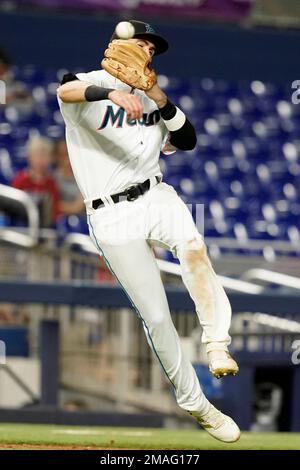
(133, 192)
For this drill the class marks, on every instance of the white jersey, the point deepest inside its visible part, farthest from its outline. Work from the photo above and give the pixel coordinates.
(109, 152)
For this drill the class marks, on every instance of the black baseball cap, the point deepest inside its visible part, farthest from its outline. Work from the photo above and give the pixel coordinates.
(145, 31)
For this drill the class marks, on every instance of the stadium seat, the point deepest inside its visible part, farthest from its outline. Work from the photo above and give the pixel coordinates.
(245, 168)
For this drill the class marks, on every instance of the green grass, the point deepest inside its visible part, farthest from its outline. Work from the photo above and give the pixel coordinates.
(137, 438)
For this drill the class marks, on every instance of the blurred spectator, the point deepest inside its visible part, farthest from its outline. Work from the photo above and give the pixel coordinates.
(6, 315)
(17, 94)
(38, 181)
(70, 199)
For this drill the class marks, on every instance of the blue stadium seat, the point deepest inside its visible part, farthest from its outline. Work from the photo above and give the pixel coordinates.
(245, 168)
(72, 224)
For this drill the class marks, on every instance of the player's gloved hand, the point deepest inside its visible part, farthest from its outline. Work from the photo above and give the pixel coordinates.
(129, 63)
(130, 103)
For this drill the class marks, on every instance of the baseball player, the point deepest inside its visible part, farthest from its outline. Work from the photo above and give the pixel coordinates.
(115, 133)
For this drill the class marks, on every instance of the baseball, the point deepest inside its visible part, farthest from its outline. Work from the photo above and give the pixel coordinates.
(125, 30)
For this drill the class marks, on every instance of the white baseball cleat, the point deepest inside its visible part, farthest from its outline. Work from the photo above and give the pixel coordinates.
(221, 363)
(218, 425)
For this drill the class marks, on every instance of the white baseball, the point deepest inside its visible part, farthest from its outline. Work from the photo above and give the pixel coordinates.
(125, 30)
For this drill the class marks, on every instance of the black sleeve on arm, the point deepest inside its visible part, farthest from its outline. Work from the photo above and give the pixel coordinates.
(168, 111)
(184, 138)
(68, 77)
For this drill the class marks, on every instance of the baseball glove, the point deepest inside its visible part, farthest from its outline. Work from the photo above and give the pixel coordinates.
(129, 63)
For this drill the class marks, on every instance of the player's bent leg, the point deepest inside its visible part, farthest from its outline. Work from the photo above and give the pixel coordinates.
(173, 226)
(134, 266)
(212, 305)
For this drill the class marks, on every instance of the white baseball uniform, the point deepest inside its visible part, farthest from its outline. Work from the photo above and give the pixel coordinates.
(108, 154)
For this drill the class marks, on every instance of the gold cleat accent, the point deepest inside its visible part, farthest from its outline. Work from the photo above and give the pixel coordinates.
(221, 364)
(218, 425)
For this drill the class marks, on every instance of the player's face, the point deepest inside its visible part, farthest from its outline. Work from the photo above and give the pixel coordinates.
(148, 46)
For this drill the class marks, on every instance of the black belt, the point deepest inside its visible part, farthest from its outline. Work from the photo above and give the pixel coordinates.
(129, 194)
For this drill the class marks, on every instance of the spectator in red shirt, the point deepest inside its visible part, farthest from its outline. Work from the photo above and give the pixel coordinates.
(38, 181)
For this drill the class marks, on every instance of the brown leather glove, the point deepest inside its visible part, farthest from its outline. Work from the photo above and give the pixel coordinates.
(129, 63)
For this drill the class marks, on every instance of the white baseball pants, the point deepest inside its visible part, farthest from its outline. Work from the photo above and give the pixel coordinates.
(124, 234)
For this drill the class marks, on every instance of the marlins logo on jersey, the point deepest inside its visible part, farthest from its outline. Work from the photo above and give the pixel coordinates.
(118, 118)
